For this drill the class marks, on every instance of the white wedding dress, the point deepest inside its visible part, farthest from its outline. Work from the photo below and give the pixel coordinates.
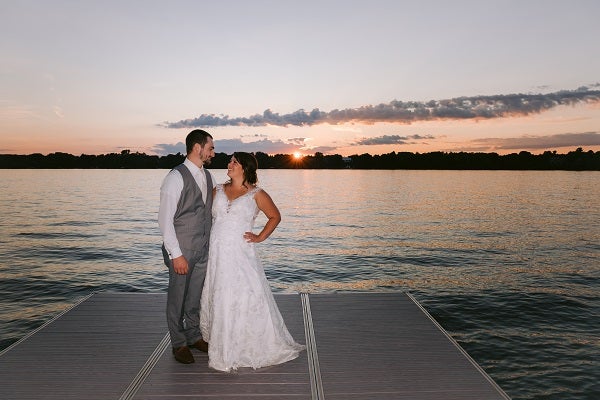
(239, 317)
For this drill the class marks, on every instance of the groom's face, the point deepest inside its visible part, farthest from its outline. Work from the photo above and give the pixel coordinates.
(207, 152)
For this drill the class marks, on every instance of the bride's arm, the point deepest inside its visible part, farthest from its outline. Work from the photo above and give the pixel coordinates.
(268, 207)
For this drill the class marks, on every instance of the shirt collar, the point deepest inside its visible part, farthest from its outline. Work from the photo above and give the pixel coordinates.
(192, 167)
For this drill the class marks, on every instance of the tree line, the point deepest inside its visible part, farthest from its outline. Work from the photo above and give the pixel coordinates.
(577, 160)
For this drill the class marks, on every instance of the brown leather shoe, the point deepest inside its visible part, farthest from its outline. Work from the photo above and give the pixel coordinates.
(200, 345)
(183, 355)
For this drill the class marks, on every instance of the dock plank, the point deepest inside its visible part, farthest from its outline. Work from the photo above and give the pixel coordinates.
(382, 346)
(91, 352)
(171, 380)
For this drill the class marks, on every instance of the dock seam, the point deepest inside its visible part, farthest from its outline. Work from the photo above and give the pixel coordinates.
(314, 370)
(141, 376)
(458, 346)
(56, 317)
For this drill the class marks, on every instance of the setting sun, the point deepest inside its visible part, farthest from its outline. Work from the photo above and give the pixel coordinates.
(297, 155)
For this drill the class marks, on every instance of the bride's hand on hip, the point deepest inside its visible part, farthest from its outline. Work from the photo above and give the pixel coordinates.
(251, 237)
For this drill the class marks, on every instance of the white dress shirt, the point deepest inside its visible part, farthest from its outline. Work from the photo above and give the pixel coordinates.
(170, 192)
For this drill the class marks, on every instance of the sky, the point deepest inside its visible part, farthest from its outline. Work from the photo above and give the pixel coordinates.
(336, 77)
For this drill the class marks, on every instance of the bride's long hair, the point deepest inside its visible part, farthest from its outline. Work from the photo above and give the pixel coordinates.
(249, 166)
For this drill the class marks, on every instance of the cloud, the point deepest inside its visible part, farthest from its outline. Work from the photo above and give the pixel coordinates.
(228, 146)
(9, 110)
(460, 108)
(390, 139)
(538, 142)
(322, 149)
(255, 135)
(165, 148)
(298, 141)
(58, 112)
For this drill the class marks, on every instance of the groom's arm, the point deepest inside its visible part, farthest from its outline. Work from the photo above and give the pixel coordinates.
(170, 192)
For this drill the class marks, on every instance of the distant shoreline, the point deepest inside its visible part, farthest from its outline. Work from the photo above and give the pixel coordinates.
(578, 160)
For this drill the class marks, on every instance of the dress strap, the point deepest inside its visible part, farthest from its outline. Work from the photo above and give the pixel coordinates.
(254, 191)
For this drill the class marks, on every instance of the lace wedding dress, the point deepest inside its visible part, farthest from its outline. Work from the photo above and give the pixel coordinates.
(239, 317)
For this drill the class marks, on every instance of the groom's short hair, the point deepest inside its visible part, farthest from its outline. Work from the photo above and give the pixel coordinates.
(196, 136)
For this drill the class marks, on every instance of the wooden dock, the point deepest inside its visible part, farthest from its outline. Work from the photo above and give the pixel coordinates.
(359, 346)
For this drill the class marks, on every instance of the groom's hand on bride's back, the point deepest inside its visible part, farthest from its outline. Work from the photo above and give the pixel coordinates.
(180, 265)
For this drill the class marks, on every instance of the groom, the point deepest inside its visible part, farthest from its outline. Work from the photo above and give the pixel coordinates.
(185, 219)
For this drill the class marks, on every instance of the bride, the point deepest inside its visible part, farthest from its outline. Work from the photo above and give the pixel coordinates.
(239, 317)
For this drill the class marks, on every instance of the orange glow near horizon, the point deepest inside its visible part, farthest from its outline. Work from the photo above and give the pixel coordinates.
(563, 129)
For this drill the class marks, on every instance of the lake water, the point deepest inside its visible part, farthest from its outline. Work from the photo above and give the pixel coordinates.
(508, 262)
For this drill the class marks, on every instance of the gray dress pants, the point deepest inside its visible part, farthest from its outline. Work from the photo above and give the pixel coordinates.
(183, 299)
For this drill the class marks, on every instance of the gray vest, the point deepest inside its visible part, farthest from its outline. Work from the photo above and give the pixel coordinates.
(193, 218)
